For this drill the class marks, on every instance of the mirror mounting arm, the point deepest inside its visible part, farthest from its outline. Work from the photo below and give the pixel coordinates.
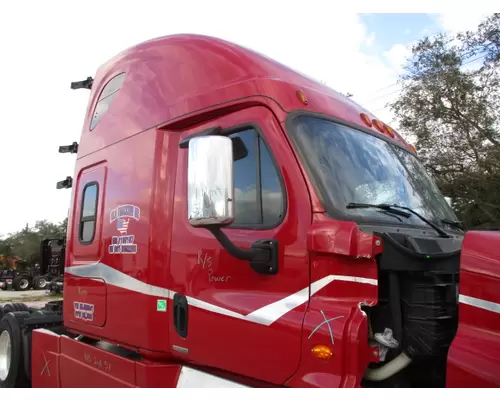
(229, 246)
(262, 256)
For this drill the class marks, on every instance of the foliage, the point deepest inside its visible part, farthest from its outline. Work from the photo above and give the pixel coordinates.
(450, 101)
(25, 243)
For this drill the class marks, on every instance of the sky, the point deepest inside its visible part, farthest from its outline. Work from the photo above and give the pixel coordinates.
(46, 45)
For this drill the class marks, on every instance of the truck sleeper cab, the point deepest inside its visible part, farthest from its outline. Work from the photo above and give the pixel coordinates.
(229, 226)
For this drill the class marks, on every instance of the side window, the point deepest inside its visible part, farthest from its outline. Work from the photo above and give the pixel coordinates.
(108, 94)
(259, 198)
(86, 229)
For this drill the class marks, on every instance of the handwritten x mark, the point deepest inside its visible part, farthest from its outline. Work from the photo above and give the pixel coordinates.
(327, 322)
(46, 366)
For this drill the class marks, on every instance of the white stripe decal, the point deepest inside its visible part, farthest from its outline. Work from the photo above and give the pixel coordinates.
(117, 278)
(274, 311)
(479, 303)
(264, 316)
(192, 378)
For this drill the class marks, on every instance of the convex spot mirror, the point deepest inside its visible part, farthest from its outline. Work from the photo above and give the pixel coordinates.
(210, 180)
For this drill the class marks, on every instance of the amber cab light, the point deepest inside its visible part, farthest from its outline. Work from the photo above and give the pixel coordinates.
(412, 148)
(378, 125)
(389, 131)
(366, 119)
(302, 97)
(322, 352)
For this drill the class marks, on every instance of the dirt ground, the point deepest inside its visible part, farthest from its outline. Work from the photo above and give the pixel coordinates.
(33, 298)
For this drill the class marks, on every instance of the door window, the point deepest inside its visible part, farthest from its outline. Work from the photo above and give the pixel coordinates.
(259, 194)
(88, 214)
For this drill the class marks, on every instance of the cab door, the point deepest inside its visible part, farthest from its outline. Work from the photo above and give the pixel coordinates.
(224, 314)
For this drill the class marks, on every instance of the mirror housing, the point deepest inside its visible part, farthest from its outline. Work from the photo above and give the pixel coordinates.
(210, 181)
(210, 195)
(448, 200)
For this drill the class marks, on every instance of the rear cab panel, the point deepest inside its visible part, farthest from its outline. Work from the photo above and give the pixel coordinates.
(133, 282)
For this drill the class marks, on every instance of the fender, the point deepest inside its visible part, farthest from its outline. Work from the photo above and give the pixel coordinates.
(474, 356)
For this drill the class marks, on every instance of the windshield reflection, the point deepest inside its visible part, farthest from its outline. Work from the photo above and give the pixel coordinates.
(348, 165)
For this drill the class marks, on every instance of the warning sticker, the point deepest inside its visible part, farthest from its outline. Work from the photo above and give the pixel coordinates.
(161, 305)
(83, 311)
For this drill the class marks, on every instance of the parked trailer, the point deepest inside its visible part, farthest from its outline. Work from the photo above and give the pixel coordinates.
(230, 226)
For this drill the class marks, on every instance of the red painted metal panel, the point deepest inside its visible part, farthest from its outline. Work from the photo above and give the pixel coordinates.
(174, 76)
(89, 301)
(87, 366)
(156, 375)
(223, 341)
(45, 369)
(474, 356)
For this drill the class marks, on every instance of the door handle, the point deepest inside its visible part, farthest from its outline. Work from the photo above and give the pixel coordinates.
(181, 315)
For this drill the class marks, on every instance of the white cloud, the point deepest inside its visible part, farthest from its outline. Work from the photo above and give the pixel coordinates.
(454, 22)
(54, 44)
(370, 39)
(397, 56)
(387, 90)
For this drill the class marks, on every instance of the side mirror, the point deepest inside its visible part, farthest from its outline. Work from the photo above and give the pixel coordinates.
(210, 181)
(210, 195)
(448, 200)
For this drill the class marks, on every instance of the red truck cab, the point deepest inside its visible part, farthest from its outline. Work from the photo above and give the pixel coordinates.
(232, 224)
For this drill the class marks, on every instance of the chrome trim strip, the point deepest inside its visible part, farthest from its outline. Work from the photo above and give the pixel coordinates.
(479, 303)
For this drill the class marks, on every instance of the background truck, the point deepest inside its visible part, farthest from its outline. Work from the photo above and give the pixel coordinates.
(46, 275)
(234, 223)
(51, 274)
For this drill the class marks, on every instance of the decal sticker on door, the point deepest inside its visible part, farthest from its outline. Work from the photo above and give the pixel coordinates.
(83, 311)
(123, 215)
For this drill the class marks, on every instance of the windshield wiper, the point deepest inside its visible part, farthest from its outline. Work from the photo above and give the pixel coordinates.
(385, 207)
(394, 209)
(456, 224)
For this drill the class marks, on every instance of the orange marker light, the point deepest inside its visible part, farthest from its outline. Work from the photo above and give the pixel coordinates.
(302, 97)
(413, 148)
(389, 131)
(378, 125)
(366, 119)
(322, 352)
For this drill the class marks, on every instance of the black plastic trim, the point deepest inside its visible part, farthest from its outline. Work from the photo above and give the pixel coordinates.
(180, 305)
(85, 84)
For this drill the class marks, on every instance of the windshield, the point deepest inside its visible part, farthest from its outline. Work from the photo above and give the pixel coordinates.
(350, 166)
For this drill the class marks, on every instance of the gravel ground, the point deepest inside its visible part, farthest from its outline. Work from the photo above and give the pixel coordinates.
(10, 295)
(32, 298)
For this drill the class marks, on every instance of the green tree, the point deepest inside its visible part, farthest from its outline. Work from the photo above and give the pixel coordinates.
(450, 101)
